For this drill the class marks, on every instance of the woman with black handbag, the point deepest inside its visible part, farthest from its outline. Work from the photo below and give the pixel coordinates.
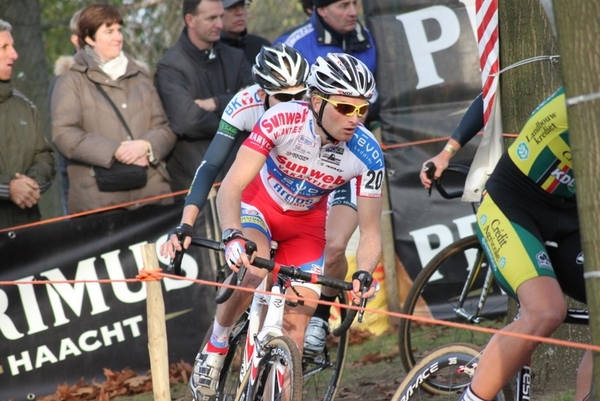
(108, 121)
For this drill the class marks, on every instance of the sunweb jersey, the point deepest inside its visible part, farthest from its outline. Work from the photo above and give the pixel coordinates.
(299, 171)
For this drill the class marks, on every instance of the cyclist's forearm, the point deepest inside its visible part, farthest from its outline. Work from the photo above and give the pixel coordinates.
(190, 212)
(368, 253)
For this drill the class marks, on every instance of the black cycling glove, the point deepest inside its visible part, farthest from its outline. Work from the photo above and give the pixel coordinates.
(183, 231)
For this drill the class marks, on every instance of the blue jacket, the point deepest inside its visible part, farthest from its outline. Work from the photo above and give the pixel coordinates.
(315, 38)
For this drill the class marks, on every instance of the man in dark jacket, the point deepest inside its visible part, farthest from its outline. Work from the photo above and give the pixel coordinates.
(236, 34)
(26, 158)
(196, 79)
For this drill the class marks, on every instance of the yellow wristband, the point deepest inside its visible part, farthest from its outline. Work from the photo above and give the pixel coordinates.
(450, 149)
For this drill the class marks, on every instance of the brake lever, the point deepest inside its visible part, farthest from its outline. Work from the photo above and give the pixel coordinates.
(365, 285)
(250, 249)
(175, 264)
(429, 170)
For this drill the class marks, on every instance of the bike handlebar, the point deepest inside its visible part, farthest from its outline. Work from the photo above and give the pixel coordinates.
(455, 168)
(269, 265)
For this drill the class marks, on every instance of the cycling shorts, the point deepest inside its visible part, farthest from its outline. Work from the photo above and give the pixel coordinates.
(344, 195)
(300, 235)
(527, 233)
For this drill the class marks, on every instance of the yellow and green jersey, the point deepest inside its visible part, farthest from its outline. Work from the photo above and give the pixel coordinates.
(542, 151)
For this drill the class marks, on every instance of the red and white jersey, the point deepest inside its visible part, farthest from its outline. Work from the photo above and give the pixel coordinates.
(299, 171)
(243, 110)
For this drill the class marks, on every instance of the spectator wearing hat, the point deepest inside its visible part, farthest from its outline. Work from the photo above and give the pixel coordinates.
(235, 32)
(333, 28)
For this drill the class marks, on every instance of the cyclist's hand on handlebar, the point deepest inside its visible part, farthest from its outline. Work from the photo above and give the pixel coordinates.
(181, 235)
(360, 280)
(440, 162)
(235, 254)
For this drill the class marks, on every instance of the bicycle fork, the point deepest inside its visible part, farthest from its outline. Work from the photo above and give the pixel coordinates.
(257, 337)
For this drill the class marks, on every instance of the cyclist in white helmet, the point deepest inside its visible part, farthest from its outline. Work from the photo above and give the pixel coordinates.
(280, 74)
(278, 187)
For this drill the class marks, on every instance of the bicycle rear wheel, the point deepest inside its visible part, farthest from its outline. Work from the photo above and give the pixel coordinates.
(451, 366)
(323, 372)
(435, 294)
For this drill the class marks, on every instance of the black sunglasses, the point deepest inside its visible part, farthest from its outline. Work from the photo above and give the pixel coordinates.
(286, 96)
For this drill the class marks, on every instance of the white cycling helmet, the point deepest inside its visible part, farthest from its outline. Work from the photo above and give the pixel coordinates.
(279, 67)
(341, 74)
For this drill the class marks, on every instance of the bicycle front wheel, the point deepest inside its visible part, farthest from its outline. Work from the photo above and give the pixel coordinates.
(452, 367)
(436, 293)
(323, 372)
(279, 374)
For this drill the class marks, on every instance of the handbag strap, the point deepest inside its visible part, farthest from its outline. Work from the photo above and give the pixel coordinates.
(103, 92)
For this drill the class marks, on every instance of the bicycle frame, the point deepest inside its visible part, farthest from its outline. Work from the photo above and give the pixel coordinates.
(485, 290)
(259, 334)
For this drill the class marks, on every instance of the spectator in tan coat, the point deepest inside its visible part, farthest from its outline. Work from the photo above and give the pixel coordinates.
(87, 130)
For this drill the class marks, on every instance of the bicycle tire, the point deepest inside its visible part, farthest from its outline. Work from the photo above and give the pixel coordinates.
(443, 363)
(431, 297)
(322, 373)
(279, 351)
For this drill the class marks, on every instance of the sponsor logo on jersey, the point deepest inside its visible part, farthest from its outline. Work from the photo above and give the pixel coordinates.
(368, 150)
(316, 177)
(564, 178)
(497, 237)
(523, 151)
(242, 100)
(289, 197)
(246, 98)
(317, 269)
(227, 129)
(307, 141)
(297, 156)
(260, 141)
(543, 260)
(334, 149)
(542, 129)
(330, 158)
(579, 259)
(483, 220)
(284, 121)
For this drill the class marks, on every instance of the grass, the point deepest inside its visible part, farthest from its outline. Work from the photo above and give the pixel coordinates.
(373, 371)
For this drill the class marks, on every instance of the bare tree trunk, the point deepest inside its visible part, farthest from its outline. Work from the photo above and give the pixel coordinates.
(525, 32)
(30, 75)
(578, 31)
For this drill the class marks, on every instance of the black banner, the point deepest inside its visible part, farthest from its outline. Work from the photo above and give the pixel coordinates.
(427, 75)
(61, 332)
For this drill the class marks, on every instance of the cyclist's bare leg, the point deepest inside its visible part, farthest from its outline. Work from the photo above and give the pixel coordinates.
(542, 311)
(584, 376)
(341, 224)
(228, 312)
(295, 319)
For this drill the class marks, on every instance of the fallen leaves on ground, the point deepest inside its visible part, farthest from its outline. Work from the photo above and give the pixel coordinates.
(125, 382)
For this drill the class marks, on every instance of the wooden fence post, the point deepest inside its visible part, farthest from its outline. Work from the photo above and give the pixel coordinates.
(157, 328)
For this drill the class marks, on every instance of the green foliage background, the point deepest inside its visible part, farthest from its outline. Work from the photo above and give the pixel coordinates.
(152, 26)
